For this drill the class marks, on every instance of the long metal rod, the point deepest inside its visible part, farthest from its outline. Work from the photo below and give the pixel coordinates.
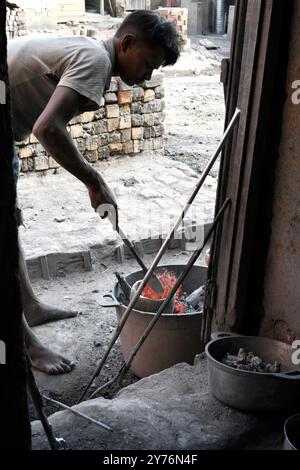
(163, 306)
(78, 413)
(161, 251)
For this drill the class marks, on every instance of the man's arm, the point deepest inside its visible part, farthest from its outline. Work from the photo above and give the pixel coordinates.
(50, 130)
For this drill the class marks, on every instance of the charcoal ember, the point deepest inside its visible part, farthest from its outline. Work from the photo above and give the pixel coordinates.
(241, 357)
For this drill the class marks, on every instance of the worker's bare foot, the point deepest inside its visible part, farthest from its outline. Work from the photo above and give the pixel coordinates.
(43, 358)
(37, 313)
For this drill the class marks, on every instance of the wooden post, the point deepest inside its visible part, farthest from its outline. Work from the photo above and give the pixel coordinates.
(15, 425)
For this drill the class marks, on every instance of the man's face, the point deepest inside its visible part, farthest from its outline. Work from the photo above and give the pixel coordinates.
(137, 61)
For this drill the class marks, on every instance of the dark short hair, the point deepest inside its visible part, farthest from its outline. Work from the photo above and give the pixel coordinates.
(154, 31)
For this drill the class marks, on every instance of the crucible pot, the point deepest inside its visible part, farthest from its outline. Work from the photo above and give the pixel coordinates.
(175, 337)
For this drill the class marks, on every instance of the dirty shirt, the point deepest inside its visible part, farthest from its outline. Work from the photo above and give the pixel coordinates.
(38, 64)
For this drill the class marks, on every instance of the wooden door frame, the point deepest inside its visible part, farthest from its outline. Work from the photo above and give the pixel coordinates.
(256, 85)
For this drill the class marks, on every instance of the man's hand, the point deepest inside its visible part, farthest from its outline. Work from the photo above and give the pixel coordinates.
(100, 194)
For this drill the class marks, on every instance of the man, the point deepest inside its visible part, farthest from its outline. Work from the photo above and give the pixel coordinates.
(53, 79)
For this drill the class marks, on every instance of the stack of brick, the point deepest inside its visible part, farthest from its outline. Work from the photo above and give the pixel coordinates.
(15, 23)
(180, 17)
(129, 120)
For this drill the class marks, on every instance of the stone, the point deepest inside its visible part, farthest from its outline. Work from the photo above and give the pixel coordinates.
(138, 93)
(25, 152)
(125, 122)
(137, 146)
(91, 155)
(112, 124)
(76, 130)
(137, 107)
(137, 133)
(149, 120)
(149, 95)
(27, 164)
(100, 126)
(100, 113)
(125, 135)
(115, 148)
(128, 147)
(110, 98)
(158, 143)
(153, 106)
(124, 96)
(102, 139)
(87, 116)
(159, 92)
(137, 120)
(113, 85)
(80, 144)
(91, 143)
(114, 137)
(53, 163)
(112, 111)
(41, 163)
(103, 153)
(156, 80)
(154, 131)
(122, 85)
(33, 139)
(124, 109)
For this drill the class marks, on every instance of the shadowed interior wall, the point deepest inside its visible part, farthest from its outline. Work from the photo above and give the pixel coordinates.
(282, 276)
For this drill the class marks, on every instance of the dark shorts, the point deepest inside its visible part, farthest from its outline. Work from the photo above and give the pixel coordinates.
(16, 172)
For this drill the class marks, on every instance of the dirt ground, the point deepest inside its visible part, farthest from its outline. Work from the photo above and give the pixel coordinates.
(195, 105)
(194, 123)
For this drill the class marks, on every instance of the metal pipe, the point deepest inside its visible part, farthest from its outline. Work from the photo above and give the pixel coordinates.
(172, 292)
(78, 413)
(163, 248)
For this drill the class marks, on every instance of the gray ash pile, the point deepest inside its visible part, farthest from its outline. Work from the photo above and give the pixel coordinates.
(249, 361)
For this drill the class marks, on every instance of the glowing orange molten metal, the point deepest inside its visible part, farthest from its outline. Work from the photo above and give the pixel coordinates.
(168, 280)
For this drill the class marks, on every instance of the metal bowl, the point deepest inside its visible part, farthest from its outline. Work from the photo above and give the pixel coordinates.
(292, 433)
(253, 391)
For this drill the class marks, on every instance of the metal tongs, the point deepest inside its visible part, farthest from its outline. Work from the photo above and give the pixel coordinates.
(153, 281)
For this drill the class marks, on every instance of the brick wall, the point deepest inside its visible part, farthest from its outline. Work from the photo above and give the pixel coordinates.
(15, 23)
(130, 120)
(179, 16)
